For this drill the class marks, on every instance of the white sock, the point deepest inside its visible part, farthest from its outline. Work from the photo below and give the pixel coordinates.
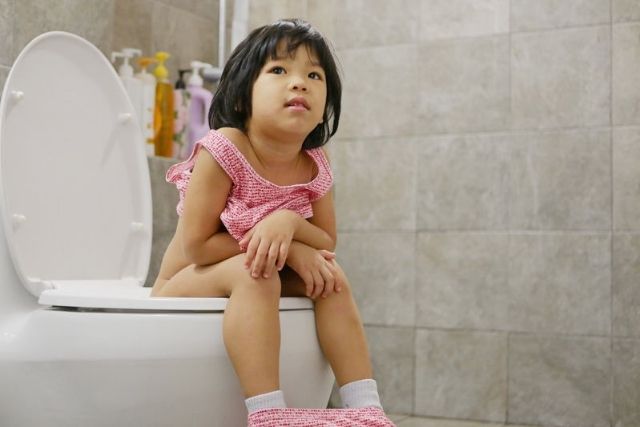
(274, 399)
(360, 394)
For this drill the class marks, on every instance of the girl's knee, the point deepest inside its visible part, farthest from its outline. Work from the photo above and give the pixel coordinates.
(238, 278)
(157, 286)
(343, 298)
(265, 287)
(342, 280)
(169, 290)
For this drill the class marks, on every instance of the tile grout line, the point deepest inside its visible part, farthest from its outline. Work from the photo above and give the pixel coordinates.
(415, 318)
(452, 133)
(598, 231)
(611, 245)
(416, 235)
(418, 42)
(415, 285)
(508, 206)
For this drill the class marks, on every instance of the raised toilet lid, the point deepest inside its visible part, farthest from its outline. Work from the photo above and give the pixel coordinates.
(75, 185)
(74, 179)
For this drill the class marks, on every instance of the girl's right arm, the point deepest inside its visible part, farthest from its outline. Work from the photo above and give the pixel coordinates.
(205, 199)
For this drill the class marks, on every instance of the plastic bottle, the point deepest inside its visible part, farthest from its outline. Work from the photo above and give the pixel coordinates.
(148, 103)
(198, 124)
(131, 84)
(163, 112)
(181, 98)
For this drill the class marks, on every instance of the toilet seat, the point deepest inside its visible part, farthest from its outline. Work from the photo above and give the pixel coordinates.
(74, 179)
(122, 295)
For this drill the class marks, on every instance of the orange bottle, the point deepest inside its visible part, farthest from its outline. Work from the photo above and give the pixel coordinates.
(163, 111)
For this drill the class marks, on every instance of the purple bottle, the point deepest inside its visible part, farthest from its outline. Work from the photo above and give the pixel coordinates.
(199, 102)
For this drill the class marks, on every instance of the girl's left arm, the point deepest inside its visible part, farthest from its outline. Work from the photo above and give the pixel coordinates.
(320, 230)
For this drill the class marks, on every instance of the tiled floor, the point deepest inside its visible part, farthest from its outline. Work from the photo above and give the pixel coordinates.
(409, 421)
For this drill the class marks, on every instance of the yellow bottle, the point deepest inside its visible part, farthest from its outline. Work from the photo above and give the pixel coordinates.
(163, 112)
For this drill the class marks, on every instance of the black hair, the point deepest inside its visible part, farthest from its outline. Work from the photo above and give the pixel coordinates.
(231, 104)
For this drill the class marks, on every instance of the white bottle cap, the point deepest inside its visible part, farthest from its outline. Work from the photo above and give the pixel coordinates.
(125, 70)
(196, 66)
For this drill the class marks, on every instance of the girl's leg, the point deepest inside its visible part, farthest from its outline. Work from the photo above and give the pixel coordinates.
(251, 325)
(343, 341)
(341, 335)
(251, 330)
(339, 329)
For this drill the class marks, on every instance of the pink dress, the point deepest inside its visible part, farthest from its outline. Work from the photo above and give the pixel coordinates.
(252, 197)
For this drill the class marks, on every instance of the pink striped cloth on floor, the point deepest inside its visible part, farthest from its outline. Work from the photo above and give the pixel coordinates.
(295, 417)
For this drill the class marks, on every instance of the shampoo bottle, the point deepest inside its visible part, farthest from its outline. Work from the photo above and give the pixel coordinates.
(148, 103)
(163, 112)
(181, 100)
(131, 84)
(198, 124)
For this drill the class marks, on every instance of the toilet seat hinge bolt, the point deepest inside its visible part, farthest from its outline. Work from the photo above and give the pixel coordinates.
(18, 220)
(17, 94)
(125, 117)
(137, 227)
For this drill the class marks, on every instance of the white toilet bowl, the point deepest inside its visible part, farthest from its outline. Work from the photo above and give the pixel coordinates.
(81, 341)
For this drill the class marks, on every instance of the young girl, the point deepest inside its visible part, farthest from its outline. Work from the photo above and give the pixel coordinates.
(257, 221)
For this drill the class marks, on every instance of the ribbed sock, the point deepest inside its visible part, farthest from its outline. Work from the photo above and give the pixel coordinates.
(360, 394)
(274, 399)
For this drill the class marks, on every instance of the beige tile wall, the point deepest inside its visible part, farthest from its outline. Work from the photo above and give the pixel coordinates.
(487, 199)
(486, 188)
(7, 12)
(188, 29)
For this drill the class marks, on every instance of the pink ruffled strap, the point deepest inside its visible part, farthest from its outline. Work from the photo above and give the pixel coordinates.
(294, 417)
(324, 180)
(220, 148)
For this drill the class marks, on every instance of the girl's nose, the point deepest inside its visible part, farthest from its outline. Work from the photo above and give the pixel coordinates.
(298, 84)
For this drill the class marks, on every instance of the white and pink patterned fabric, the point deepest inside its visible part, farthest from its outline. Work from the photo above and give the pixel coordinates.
(252, 197)
(294, 417)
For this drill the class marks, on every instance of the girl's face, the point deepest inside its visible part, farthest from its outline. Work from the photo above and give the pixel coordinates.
(289, 93)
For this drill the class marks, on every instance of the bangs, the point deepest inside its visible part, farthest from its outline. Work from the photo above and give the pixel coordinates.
(286, 49)
(284, 39)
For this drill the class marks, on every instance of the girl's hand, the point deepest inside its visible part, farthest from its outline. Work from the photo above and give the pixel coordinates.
(268, 242)
(316, 268)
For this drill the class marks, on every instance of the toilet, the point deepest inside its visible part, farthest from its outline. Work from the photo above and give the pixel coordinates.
(81, 341)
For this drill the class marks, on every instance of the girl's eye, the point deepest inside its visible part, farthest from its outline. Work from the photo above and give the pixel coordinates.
(315, 76)
(277, 70)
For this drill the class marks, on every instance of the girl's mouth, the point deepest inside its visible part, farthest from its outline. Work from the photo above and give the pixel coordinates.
(298, 103)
